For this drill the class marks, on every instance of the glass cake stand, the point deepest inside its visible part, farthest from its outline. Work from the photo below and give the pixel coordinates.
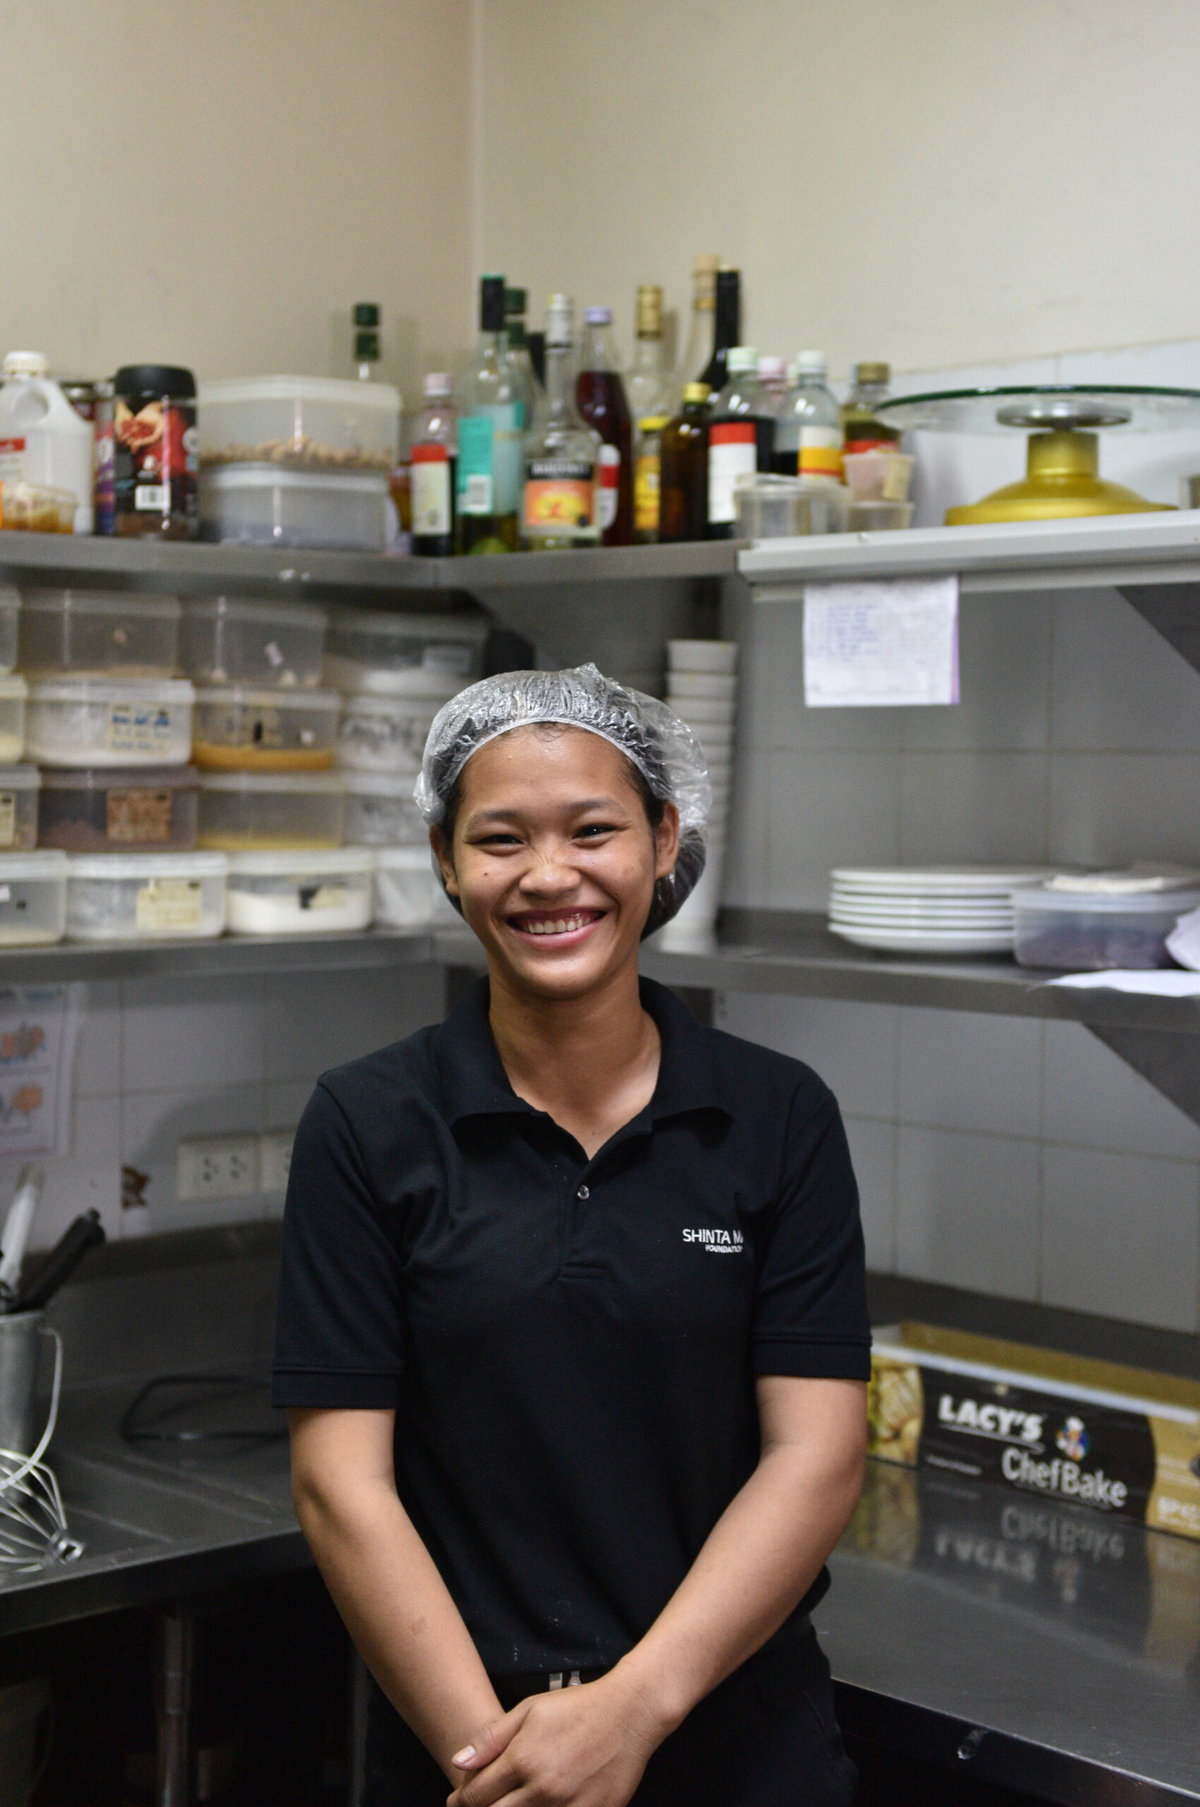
(1062, 419)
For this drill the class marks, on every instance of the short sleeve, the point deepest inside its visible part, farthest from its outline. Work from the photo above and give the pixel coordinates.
(339, 1335)
(811, 1317)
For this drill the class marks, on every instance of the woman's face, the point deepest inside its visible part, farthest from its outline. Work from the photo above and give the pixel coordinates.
(553, 858)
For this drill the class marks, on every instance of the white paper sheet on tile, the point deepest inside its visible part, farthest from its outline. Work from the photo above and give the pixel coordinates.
(883, 644)
(1183, 943)
(1157, 984)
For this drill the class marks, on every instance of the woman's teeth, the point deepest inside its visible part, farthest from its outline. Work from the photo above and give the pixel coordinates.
(561, 925)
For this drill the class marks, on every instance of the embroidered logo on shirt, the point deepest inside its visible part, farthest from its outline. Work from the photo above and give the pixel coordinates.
(716, 1242)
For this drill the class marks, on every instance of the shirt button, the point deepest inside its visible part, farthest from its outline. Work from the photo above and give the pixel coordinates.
(583, 1193)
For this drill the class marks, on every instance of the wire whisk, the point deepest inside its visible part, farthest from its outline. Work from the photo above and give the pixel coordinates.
(33, 1524)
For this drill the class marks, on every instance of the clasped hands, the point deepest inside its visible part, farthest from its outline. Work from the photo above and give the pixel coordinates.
(585, 1746)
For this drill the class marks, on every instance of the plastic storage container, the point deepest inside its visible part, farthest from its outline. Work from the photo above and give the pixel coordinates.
(407, 892)
(265, 730)
(307, 894)
(10, 605)
(145, 896)
(14, 693)
(381, 812)
(431, 656)
(301, 423)
(33, 898)
(93, 633)
(281, 810)
(259, 505)
(225, 640)
(109, 721)
(384, 733)
(1088, 931)
(43, 441)
(19, 785)
(119, 810)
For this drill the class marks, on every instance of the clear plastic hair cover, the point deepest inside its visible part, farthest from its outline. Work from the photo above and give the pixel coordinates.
(662, 748)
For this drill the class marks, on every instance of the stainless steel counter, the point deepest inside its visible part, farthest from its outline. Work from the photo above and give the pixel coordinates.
(1058, 1649)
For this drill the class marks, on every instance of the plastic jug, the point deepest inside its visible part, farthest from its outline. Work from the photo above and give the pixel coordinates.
(42, 439)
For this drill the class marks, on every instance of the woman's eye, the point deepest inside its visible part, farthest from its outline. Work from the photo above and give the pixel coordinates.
(497, 840)
(590, 830)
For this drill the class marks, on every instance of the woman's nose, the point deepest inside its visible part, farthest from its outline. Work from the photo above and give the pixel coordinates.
(551, 870)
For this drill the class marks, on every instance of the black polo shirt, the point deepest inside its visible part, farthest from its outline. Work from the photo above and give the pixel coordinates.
(570, 1346)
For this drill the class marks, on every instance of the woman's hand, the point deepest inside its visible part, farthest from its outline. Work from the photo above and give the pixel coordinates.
(586, 1746)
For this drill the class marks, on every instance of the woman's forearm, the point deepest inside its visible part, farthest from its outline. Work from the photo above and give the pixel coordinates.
(398, 1611)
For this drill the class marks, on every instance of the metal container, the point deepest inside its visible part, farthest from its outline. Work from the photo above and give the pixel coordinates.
(20, 1340)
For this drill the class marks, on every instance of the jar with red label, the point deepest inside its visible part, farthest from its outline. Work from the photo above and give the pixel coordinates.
(156, 452)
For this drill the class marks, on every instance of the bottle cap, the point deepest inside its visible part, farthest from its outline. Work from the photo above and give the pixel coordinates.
(515, 301)
(155, 379)
(649, 311)
(772, 370)
(696, 392)
(366, 313)
(872, 373)
(811, 363)
(26, 363)
(707, 264)
(560, 314)
(491, 304)
(438, 382)
(742, 358)
(597, 316)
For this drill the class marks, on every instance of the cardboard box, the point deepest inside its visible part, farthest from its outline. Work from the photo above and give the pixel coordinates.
(1091, 1433)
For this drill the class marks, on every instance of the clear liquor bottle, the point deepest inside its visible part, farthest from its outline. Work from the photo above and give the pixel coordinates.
(741, 438)
(493, 404)
(864, 431)
(646, 386)
(561, 453)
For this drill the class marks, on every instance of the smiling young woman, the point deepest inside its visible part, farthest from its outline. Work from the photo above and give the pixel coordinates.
(572, 1482)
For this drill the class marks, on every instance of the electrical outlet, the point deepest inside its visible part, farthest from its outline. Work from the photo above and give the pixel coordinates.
(217, 1167)
(275, 1158)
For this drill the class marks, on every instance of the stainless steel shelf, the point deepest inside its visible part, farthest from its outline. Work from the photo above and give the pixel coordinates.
(67, 960)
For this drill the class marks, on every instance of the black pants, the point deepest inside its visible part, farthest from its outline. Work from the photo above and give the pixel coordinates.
(766, 1737)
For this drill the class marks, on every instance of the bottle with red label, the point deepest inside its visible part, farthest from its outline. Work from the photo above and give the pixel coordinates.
(156, 452)
(434, 455)
(601, 400)
(561, 453)
(863, 429)
(741, 437)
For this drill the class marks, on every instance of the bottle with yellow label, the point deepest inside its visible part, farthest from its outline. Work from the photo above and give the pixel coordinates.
(647, 472)
(561, 453)
(808, 427)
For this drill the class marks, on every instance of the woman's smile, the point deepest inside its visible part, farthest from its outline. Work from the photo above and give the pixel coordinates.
(560, 926)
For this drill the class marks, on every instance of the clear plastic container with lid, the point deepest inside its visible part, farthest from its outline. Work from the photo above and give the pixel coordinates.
(384, 733)
(1088, 931)
(13, 701)
(92, 633)
(301, 423)
(10, 604)
(109, 721)
(430, 656)
(146, 896)
(407, 892)
(240, 729)
(300, 894)
(275, 810)
(33, 898)
(117, 809)
(228, 640)
(263, 505)
(381, 811)
(19, 786)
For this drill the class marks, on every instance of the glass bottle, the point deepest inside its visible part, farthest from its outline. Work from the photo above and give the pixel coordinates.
(863, 430)
(647, 479)
(515, 303)
(683, 469)
(699, 348)
(808, 428)
(493, 412)
(727, 331)
(741, 438)
(561, 453)
(646, 386)
(600, 397)
(433, 457)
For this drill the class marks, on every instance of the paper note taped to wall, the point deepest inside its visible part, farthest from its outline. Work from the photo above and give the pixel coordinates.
(37, 1038)
(891, 644)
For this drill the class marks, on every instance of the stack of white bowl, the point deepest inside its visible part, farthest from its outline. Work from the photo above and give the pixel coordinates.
(702, 689)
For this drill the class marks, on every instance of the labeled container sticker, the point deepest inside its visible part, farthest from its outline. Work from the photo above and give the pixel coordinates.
(559, 494)
(475, 486)
(732, 453)
(610, 483)
(12, 460)
(139, 728)
(170, 903)
(138, 816)
(323, 897)
(156, 459)
(8, 818)
(820, 452)
(431, 503)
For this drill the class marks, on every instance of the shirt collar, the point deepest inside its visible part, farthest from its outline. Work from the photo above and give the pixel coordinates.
(475, 1084)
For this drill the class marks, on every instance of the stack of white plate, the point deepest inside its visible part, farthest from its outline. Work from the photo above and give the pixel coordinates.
(702, 689)
(928, 909)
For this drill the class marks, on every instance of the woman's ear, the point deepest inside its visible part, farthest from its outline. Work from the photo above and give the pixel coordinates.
(666, 841)
(444, 855)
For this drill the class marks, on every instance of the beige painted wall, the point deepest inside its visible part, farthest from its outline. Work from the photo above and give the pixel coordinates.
(934, 181)
(215, 182)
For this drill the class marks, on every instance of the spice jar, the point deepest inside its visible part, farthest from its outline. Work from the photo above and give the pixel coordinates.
(156, 452)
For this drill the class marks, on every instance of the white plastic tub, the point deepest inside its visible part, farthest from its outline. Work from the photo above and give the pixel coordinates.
(19, 787)
(408, 893)
(110, 721)
(93, 633)
(381, 812)
(240, 729)
(145, 896)
(14, 693)
(300, 423)
(258, 505)
(383, 733)
(271, 810)
(225, 640)
(431, 656)
(33, 898)
(320, 893)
